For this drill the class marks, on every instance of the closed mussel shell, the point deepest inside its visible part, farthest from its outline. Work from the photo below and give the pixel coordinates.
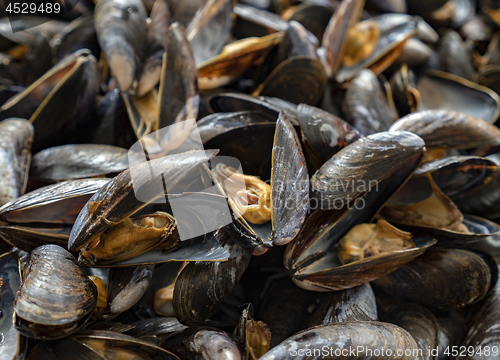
(366, 162)
(369, 335)
(483, 331)
(447, 129)
(16, 138)
(426, 280)
(70, 162)
(204, 343)
(203, 285)
(56, 296)
(13, 345)
(420, 323)
(355, 304)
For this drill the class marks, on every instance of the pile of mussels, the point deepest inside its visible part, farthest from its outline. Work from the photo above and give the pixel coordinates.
(261, 179)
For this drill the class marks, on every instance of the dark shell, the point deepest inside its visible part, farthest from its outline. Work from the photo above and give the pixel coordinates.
(56, 204)
(300, 79)
(366, 161)
(323, 134)
(203, 285)
(70, 162)
(420, 323)
(484, 331)
(289, 184)
(367, 108)
(355, 304)
(370, 334)
(117, 199)
(56, 296)
(102, 341)
(13, 345)
(454, 56)
(204, 343)
(441, 279)
(447, 129)
(327, 273)
(443, 91)
(208, 30)
(231, 102)
(16, 138)
(178, 97)
(347, 14)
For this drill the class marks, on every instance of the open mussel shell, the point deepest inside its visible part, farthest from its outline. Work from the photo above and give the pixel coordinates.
(313, 256)
(448, 129)
(323, 134)
(481, 200)
(13, 344)
(218, 123)
(279, 151)
(344, 336)
(211, 344)
(71, 162)
(53, 105)
(349, 305)
(121, 37)
(28, 238)
(388, 48)
(129, 192)
(366, 162)
(178, 98)
(112, 344)
(490, 77)
(232, 102)
(327, 273)
(333, 41)
(418, 189)
(202, 286)
(457, 175)
(483, 331)
(56, 297)
(405, 96)
(16, 137)
(443, 91)
(296, 42)
(59, 350)
(78, 34)
(442, 279)
(299, 79)
(235, 58)
(209, 28)
(367, 108)
(158, 27)
(420, 323)
(56, 204)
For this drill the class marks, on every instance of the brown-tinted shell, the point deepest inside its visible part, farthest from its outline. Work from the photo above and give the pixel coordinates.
(56, 296)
